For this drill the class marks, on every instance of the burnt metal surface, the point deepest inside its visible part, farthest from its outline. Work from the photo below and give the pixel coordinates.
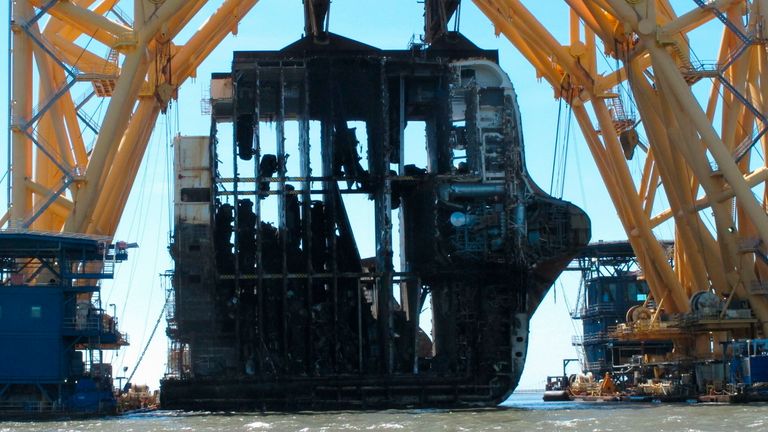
(274, 306)
(437, 15)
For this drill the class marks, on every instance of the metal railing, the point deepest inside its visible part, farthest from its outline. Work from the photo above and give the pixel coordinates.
(595, 309)
(591, 338)
(596, 365)
(24, 407)
(596, 337)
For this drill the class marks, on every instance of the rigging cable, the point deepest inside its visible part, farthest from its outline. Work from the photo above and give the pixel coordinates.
(572, 312)
(560, 158)
(564, 157)
(139, 219)
(162, 208)
(146, 347)
(557, 146)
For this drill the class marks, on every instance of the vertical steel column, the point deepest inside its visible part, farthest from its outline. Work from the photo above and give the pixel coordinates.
(236, 228)
(20, 111)
(260, 292)
(403, 122)
(334, 201)
(329, 197)
(404, 294)
(414, 300)
(409, 297)
(335, 281)
(306, 173)
(330, 193)
(281, 217)
(359, 298)
(379, 148)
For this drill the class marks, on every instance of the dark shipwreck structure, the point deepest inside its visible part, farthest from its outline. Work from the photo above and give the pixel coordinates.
(274, 306)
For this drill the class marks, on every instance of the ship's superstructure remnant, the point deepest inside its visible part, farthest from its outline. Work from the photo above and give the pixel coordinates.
(274, 305)
(53, 328)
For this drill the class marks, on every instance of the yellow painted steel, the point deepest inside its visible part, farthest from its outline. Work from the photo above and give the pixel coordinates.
(689, 157)
(96, 182)
(690, 152)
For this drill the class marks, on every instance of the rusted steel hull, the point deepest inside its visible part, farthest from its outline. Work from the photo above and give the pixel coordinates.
(276, 305)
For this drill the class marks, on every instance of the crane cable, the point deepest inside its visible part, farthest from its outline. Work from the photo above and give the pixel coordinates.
(560, 158)
(564, 159)
(557, 147)
(146, 347)
(169, 200)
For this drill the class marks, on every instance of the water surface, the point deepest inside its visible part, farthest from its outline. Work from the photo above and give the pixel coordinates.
(524, 412)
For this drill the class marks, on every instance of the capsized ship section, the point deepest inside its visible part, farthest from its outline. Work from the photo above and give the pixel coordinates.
(275, 308)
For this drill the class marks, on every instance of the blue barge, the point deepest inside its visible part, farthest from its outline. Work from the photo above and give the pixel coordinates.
(53, 329)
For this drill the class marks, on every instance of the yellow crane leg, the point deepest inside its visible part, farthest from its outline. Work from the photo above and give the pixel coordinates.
(59, 27)
(696, 239)
(115, 190)
(54, 114)
(114, 194)
(200, 45)
(86, 60)
(540, 62)
(695, 18)
(677, 301)
(89, 22)
(135, 67)
(21, 111)
(725, 162)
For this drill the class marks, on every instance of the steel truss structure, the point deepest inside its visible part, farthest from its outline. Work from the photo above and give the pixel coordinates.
(57, 182)
(700, 153)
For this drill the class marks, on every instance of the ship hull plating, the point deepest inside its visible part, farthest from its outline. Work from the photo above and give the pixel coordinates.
(276, 306)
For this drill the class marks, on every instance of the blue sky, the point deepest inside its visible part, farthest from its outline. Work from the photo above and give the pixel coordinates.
(137, 290)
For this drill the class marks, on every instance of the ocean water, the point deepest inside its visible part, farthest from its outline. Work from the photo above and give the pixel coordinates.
(525, 412)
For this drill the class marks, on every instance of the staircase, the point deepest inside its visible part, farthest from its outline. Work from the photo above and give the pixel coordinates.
(104, 83)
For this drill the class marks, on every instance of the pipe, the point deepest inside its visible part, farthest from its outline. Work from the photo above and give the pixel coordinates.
(446, 192)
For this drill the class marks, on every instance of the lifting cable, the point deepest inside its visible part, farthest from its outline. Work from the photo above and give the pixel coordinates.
(149, 341)
(155, 153)
(557, 147)
(568, 305)
(139, 220)
(564, 160)
(560, 158)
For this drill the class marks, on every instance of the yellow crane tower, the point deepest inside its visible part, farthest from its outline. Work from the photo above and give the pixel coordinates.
(140, 71)
(701, 153)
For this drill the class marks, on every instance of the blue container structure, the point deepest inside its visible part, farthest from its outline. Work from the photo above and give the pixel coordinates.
(747, 365)
(53, 330)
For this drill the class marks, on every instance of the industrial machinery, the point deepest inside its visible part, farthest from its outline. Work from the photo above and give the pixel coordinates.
(699, 132)
(611, 294)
